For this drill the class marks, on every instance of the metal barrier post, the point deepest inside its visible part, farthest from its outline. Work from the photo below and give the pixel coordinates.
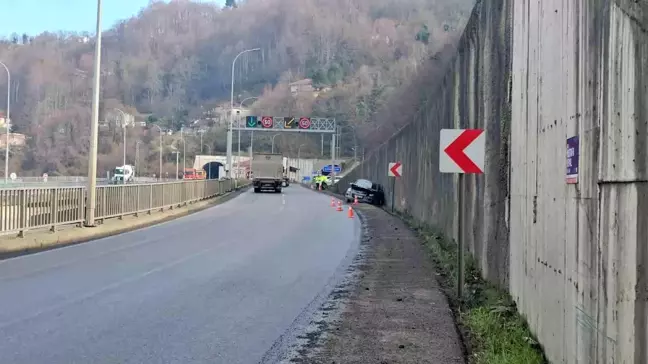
(137, 198)
(22, 212)
(162, 205)
(150, 198)
(54, 209)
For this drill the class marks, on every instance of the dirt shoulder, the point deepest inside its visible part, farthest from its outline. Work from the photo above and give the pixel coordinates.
(43, 239)
(395, 312)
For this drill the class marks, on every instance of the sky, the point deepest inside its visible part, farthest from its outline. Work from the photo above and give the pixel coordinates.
(36, 16)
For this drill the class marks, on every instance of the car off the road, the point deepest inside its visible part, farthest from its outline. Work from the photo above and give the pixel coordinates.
(366, 191)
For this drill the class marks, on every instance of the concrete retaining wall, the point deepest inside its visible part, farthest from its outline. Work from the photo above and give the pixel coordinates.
(574, 256)
(475, 90)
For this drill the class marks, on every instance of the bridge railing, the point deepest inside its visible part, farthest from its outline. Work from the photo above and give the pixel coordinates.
(23, 209)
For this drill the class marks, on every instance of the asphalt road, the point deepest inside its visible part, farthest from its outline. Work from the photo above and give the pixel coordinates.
(232, 284)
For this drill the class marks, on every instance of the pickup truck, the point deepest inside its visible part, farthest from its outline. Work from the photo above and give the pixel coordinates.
(267, 172)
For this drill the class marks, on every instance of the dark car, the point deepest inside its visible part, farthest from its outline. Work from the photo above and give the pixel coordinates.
(366, 191)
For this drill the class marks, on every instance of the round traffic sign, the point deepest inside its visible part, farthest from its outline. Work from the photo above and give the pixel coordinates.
(304, 123)
(266, 122)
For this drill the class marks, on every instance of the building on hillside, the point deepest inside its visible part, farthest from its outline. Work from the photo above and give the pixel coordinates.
(116, 117)
(220, 114)
(15, 140)
(305, 85)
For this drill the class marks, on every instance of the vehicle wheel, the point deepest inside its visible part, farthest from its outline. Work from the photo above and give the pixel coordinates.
(257, 190)
(278, 190)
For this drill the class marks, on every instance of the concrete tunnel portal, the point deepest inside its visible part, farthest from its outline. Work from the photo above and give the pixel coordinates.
(212, 169)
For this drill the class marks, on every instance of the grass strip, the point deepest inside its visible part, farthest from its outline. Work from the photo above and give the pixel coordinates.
(493, 331)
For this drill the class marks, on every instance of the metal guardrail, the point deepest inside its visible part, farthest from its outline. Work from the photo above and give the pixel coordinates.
(23, 209)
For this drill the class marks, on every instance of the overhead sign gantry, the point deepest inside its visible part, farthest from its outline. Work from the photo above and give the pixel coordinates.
(287, 124)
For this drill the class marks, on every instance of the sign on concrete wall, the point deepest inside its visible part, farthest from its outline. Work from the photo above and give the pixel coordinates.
(572, 160)
(395, 169)
(462, 151)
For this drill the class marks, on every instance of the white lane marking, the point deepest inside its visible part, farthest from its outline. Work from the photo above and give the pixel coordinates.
(107, 288)
(283, 202)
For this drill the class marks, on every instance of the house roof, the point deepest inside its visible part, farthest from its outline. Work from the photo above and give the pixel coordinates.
(306, 81)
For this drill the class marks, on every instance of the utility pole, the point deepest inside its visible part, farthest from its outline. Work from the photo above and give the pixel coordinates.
(231, 114)
(160, 129)
(177, 153)
(94, 127)
(184, 150)
(7, 121)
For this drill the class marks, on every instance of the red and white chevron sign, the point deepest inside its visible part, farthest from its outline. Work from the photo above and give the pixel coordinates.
(462, 151)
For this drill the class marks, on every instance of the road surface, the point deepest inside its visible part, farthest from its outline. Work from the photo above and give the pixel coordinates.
(219, 286)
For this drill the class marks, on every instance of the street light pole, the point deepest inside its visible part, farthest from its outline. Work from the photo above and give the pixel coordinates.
(160, 129)
(123, 117)
(272, 145)
(184, 151)
(7, 121)
(177, 153)
(137, 144)
(239, 131)
(299, 151)
(94, 128)
(231, 114)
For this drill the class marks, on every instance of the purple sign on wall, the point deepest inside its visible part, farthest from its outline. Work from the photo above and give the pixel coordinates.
(572, 160)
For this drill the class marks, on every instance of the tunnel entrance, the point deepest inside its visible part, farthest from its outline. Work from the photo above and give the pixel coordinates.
(212, 170)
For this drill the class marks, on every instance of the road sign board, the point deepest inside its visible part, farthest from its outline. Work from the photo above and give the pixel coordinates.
(572, 160)
(251, 121)
(266, 121)
(327, 169)
(304, 123)
(282, 123)
(462, 151)
(395, 169)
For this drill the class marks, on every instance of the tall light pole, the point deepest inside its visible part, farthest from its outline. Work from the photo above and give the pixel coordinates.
(299, 151)
(201, 131)
(123, 117)
(184, 150)
(239, 125)
(7, 121)
(94, 127)
(160, 129)
(231, 116)
(272, 145)
(177, 153)
(137, 144)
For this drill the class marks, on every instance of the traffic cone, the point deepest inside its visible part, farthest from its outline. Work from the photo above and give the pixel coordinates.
(355, 200)
(319, 187)
(339, 206)
(350, 212)
(332, 201)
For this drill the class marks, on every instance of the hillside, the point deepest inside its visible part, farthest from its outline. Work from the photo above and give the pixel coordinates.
(172, 62)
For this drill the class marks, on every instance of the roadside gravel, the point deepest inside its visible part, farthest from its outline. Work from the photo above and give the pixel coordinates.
(391, 309)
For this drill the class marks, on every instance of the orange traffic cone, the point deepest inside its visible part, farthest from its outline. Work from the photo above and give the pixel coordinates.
(332, 201)
(339, 206)
(355, 200)
(350, 212)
